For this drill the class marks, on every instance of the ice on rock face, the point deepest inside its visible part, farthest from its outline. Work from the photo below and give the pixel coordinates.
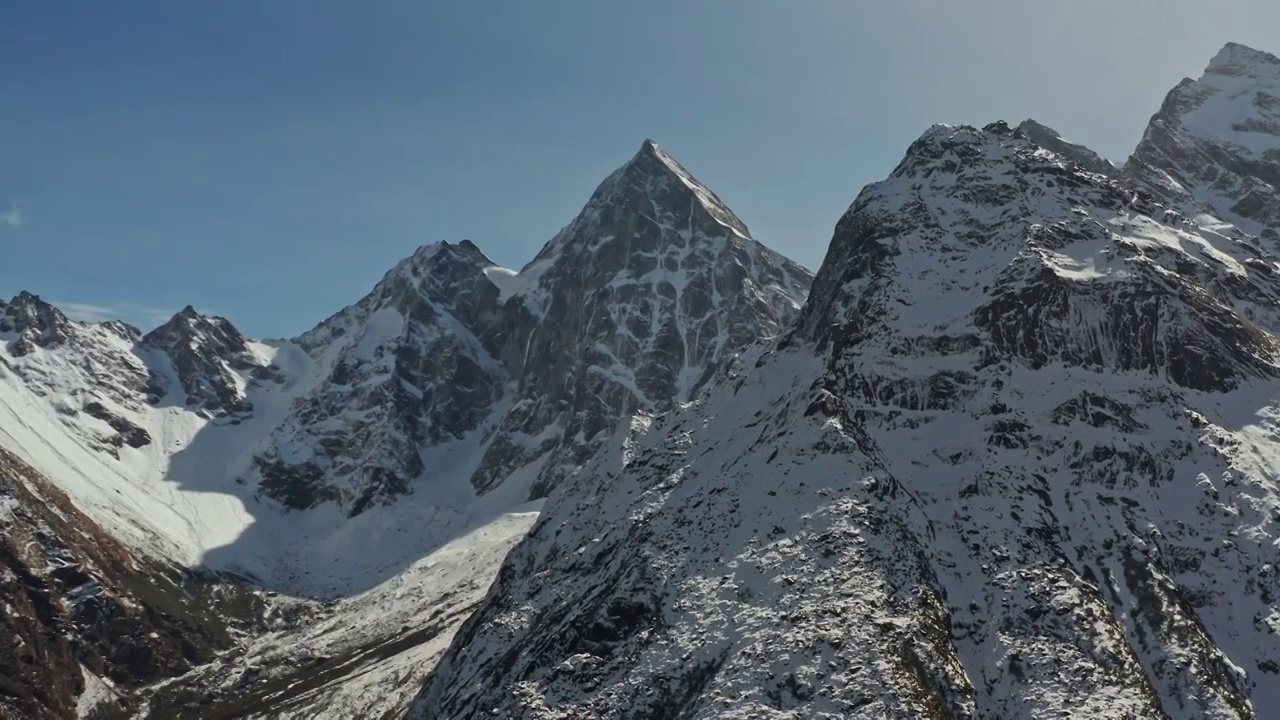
(1214, 146)
(977, 460)
(626, 310)
(415, 424)
(1010, 453)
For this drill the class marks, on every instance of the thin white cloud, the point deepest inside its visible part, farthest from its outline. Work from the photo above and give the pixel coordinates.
(142, 316)
(12, 216)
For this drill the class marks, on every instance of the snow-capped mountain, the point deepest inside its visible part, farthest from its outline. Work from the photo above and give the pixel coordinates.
(1214, 146)
(210, 359)
(1014, 454)
(404, 370)
(1018, 458)
(414, 425)
(453, 360)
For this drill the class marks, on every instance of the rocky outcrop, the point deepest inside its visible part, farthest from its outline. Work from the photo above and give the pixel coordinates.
(1049, 139)
(627, 310)
(1214, 145)
(1050, 275)
(34, 322)
(209, 357)
(411, 366)
(636, 302)
(989, 474)
(86, 622)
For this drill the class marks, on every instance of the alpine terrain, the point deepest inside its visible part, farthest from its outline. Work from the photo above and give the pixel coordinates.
(1017, 459)
(1013, 452)
(200, 524)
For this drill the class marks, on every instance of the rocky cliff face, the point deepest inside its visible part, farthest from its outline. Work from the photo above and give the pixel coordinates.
(210, 359)
(86, 621)
(1015, 460)
(637, 301)
(34, 322)
(627, 310)
(1214, 146)
(410, 367)
(1049, 139)
(1013, 455)
(407, 412)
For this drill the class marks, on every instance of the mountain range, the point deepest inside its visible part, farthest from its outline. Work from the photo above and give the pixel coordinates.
(1011, 452)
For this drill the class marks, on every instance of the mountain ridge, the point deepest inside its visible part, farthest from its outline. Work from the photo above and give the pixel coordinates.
(1011, 452)
(992, 472)
(418, 421)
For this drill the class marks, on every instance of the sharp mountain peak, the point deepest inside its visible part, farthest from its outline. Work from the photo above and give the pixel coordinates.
(1238, 59)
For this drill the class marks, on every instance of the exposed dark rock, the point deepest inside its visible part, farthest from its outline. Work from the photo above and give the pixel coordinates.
(129, 433)
(1049, 139)
(35, 323)
(76, 597)
(628, 310)
(1010, 463)
(1214, 145)
(206, 352)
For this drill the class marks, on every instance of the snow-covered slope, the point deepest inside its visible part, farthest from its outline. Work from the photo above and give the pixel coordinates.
(377, 468)
(1015, 461)
(646, 292)
(358, 656)
(1015, 455)
(625, 311)
(84, 621)
(1215, 143)
(103, 414)
(404, 381)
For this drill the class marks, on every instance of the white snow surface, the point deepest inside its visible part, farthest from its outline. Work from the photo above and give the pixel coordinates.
(389, 572)
(422, 560)
(96, 691)
(385, 639)
(1215, 145)
(177, 498)
(1229, 87)
(898, 510)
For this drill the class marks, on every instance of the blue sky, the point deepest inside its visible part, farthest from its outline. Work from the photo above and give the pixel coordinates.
(270, 161)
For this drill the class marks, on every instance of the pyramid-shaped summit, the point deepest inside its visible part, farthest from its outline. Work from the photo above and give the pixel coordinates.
(650, 287)
(1017, 454)
(654, 169)
(627, 310)
(651, 198)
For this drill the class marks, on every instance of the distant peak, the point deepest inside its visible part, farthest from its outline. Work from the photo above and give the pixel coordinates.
(438, 251)
(964, 144)
(1236, 60)
(27, 298)
(1030, 125)
(188, 324)
(1050, 139)
(30, 302)
(189, 320)
(38, 321)
(652, 159)
(940, 137)
(654, 167)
